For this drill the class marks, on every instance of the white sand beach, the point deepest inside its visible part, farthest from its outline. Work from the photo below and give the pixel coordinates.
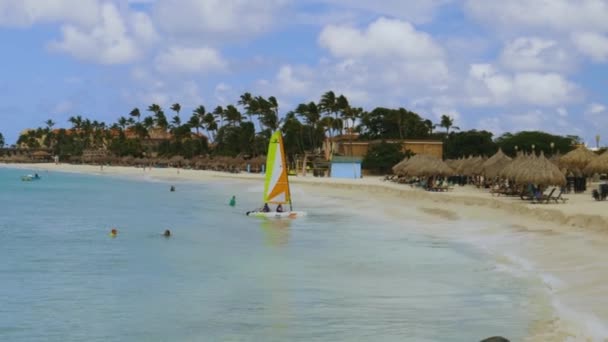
(563, 245)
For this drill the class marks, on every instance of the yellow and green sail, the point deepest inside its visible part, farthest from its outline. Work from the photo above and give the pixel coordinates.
(276, 186)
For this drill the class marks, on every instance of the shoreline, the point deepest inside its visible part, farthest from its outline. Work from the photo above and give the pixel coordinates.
(565, 255)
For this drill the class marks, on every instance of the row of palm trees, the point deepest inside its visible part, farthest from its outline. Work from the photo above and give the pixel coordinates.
(331, 115)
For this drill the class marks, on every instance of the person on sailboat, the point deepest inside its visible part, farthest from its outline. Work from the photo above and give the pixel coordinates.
(279, 208)
(266, 208)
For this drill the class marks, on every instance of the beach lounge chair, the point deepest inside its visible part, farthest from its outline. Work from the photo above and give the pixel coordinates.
(559, 197)
(544, 198)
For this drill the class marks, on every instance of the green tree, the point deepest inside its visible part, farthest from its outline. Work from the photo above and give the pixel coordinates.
(311, 114)
(470, 143)
(541, 141)
(385, 123)
(381, 157)
(176, 107)
(447, 122)
(2, 142)
(135, 113)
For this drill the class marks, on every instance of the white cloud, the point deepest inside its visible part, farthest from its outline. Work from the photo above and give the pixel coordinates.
(108, 42)
(535, 54)
(552, 15)
(185, 59)
(288, 83)
(384, 38)
(527, 120)
(489, 86)
(417, 11)
(592, 44)
(62, 107)
(217, 17)
(392, 51)
(24, 13)
(596, 108)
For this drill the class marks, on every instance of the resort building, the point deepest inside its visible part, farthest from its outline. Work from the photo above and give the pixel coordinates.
(349, 145)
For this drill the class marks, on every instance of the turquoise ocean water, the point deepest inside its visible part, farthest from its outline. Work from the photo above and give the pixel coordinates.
(332, 276)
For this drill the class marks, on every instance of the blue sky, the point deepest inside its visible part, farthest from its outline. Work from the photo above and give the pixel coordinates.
(497, 65)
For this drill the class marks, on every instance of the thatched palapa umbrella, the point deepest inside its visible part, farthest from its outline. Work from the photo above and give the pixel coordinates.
(470, 166)
(422, 165)
(492, 167)
(577, 159)
(534, 170)
(597, 165)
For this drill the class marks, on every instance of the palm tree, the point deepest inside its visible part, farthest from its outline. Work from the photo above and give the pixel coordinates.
(49, 124)
(135, 113)
(311, 114)
(161, 120)
(429, 125)
(233, 116)
(447, 123)
(148, 122)
(210, 124)
(122, 123)
(154, 108)
(219, 113)
(176, 108)
(344, 109)
(246, 101)
(76, 122)
(196, 122)
(1, 140)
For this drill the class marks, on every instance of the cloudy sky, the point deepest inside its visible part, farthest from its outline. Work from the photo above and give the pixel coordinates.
(497, 65)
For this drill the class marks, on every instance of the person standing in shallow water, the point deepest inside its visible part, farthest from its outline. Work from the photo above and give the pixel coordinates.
(167, 233)
(233, 201)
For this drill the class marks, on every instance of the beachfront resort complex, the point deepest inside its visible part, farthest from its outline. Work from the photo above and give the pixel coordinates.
(303, 171)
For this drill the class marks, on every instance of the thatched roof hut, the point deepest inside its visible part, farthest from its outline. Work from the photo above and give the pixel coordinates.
(400, 165)
(597, 165)
(492, 167)
(470, 166)
(422, 165)
(535, 170)
(577, 159)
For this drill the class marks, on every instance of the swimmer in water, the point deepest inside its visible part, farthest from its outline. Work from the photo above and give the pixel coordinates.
(113, 232)
(172, 188)
(167, 233)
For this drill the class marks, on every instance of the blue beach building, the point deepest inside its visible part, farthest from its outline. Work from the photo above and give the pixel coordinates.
(345, 167)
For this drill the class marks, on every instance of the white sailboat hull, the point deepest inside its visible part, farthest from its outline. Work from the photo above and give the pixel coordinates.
(285, 214)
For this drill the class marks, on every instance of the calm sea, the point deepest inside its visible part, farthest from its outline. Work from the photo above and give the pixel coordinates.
(335, 275)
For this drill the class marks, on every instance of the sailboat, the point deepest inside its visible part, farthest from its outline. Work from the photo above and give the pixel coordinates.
(276, 185)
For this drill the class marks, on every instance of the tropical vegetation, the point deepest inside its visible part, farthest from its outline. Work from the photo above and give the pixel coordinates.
(243, 129)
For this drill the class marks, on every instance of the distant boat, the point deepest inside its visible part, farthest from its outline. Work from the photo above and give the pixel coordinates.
(276, 185)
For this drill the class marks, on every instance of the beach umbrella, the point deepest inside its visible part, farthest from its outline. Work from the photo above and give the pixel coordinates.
(495, 164)
(470, 166)
(597, 165)
(537, 170)
(422, 165)
(400, 165)
(577, 159)
(555, 158)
